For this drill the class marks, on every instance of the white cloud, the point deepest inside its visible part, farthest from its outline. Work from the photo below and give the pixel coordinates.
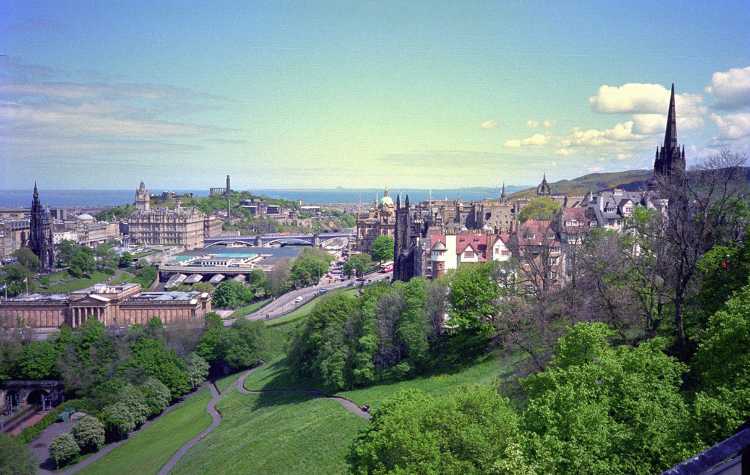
(489, 124)
(534, 140)
(731, 88)
(733, 126)
(565, 152)
(548, 124)
(639, 98)
(621, 132)
(532, 124)
(649, 124)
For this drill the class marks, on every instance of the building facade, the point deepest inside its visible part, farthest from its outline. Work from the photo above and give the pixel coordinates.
(168, 227)
(380, 220)
(113, 305)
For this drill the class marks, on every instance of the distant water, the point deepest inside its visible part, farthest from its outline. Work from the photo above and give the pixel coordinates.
(103, 198)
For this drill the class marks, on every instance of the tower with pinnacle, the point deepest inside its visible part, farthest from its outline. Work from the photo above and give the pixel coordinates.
(142, 198)
(40, 233)
(670, 158)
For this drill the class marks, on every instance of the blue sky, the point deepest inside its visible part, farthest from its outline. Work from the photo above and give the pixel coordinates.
(326, 94)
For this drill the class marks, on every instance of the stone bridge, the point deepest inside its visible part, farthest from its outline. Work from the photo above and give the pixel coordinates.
(44, 394)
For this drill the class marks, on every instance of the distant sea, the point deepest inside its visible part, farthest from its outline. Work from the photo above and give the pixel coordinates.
(104, 198)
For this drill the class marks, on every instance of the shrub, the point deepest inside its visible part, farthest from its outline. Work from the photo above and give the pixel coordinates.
(197, 368)
(64, 449)
(136, 402)
(15, 457)
(89, 434)
(156, 396)
(32, 432)
(118, 420)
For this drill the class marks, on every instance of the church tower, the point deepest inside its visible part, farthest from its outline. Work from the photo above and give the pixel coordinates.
(40, 233)
(670, 159)
(142, 198)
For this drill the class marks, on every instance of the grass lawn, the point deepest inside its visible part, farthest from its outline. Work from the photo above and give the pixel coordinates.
(62, 282)
(275, 433)
(248, 309)
(151, 448)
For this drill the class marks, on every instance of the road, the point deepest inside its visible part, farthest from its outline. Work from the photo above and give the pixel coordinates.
(288, 302)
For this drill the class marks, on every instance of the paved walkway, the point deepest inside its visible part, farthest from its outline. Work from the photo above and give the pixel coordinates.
(347, 404)
(215, 421)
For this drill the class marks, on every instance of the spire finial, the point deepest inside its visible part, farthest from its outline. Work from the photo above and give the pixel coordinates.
(670, 135)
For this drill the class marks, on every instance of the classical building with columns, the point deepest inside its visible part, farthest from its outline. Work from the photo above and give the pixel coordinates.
(113, 305)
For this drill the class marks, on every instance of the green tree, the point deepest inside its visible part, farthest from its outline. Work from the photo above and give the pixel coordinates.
(309, 267)
(155, 359)
(474, 294)
(541, 208)
(63, 450)
(231, 294)
(243, 344)
(17, 278)
(38, 361)
(65, 251)
(136, 402)
(15, 457)
(156, 396)
(723, 364)
(382, 248)
(89, 434)
(106, 258)
(357, 265)
(125, 260)
(27, 258)
(598, 409)
(206, 287)
(82, 263)
(197, 368)
(118, 420)
(209, 346)
(471, 430)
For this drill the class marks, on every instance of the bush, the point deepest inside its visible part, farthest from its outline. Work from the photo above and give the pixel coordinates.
(15, 457)
(136, 402)
(89, 434)
(32, 432)
(63, 449)
(197, 368)
(118, 420)
(156, 396)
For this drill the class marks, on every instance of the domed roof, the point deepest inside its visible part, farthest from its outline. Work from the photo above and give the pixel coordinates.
(85, 217)
(386, 201)
(439, 246)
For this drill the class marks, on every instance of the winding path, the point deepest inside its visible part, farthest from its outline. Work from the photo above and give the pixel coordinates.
(347, 404)
(215, 421)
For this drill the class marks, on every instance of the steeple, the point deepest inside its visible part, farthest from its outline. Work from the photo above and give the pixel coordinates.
(502, 193)
(670, 136)
(398, 201)
(35, 199)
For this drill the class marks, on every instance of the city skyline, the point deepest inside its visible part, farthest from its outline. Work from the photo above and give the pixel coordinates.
(310, 96)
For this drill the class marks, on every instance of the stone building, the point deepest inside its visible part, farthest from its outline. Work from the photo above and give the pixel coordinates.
(168, 227)
(380, 220)
(113, 305)
(142, 198)
(13, 234)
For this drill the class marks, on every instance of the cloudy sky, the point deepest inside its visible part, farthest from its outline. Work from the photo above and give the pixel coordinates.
(361, 94)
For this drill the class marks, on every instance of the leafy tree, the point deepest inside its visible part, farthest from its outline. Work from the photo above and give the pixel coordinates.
(136, 402)
(156, 396)
(540, 208)
(38, 361)
(243, 344)
(64, 449)
(382, 248)
(118, 420)
(89, 434)
(155, 359)
(88, 356)
(472, 430)
(209, 346)
(197, 369)
(599, 409)
(231, 294)
(17, 278)
(309, 267)
(125, 260)
(65, 251)
(278, 279)
(27, 258)
(723, 364)
(107, 259)
(83, 262)
(15, 457)
(206, 287)
(474, 294)
(357, 265)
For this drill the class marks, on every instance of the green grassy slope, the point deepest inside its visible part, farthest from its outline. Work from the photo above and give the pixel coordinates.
(145, 452)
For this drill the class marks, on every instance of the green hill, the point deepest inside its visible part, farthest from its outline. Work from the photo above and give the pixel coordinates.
(629, 180)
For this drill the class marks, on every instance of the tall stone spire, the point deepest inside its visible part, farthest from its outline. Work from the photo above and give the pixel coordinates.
(502, 193)
(670, 136)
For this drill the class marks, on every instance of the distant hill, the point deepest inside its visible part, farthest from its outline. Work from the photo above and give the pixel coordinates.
(628, 180)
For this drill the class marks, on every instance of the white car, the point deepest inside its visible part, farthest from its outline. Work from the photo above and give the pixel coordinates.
(298, 299)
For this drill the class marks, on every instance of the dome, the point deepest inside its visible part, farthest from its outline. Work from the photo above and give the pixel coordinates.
(439, 246)
(85, 217)
(386, 201)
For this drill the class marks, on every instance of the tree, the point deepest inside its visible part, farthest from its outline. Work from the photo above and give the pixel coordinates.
(540, 208)
(473, 298)
(155, 359)
(136, 402)
(27, 258)
(231, 294)
(17, 278)
(309, 267)
(471, 430)
(357, 265)
(599, 409)
(107, 259)
(15, 457)
(156, 396)
(243, 344)
(126, 260)
(197, 369)
(723, 364)
(278, 279)
(206, 287)
(65, 251)
(118, 420)
(38, 361)
(63, 449)
(382, 248)
(89, 434)
(83, 262)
